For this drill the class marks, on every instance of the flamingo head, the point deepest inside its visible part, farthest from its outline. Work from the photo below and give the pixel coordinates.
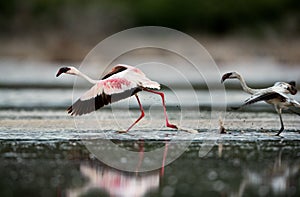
(68, 70)
(230, 75)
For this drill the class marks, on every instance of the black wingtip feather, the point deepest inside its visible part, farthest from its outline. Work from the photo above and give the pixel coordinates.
(293, 83)
(81, 107)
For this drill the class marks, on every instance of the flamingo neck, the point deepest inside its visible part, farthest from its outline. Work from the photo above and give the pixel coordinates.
(245, 87)
(78, 73)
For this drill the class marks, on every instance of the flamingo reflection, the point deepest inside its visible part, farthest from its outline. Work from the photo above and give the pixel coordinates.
(119, 183)
(277, 179)
(114, 182)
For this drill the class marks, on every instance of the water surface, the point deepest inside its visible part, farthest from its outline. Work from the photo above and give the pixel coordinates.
(43, 150)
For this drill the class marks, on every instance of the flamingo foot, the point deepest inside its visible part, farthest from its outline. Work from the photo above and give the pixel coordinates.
(172, 126)
(122, 131)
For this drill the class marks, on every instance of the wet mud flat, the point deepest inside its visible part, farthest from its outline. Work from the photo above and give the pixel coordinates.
(58, 125)
(45, 153)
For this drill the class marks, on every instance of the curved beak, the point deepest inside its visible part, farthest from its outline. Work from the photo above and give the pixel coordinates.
(225, 76)
(62, 70)
(58, 73)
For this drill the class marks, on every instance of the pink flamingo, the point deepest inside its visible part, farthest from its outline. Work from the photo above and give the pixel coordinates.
(121, 82)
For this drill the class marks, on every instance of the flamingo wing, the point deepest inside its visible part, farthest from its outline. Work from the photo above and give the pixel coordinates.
(81, 107)
(103, 93)
(265, 97)
(115, 70)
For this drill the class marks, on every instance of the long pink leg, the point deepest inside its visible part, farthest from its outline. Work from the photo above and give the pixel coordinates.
(141, 116)
(168, 124)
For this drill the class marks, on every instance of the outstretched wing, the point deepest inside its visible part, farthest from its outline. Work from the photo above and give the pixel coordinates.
(103, 93)
(81, 107)
(264, 97)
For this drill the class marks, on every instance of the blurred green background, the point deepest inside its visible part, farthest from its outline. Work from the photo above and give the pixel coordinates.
(65, 30)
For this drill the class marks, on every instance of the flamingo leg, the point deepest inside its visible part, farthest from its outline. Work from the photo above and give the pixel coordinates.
(282, 127)
(168, 124)
(141, 116)
(279, 111)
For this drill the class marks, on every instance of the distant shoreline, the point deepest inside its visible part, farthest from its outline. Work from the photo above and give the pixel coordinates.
(223, 49)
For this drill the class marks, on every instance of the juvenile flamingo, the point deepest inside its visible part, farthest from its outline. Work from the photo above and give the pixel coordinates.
(275, 95)
(121, 82)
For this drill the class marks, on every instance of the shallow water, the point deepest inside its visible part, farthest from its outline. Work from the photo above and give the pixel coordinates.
(66, 168)
(45, 152)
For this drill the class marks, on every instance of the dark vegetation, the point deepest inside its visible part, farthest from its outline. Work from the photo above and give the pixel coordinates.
(213, 16)
(66, 30)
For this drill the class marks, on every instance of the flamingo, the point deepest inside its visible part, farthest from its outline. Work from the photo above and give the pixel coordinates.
(275, 95)
(123, 81)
